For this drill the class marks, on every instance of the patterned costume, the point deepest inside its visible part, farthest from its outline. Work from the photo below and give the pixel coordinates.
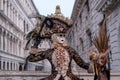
(48, 54)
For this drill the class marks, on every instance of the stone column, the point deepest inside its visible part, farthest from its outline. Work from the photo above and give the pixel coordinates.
(2, 39)
(16, 46)
(11, 44)
(6, 65)
(17, 19)
(5, 5)
(1, 4)
(15, 66)
(6, 41)
(14, 15)
(11, 12)
(9, 8)
(1, 64)
(9, 66)
(19, 48)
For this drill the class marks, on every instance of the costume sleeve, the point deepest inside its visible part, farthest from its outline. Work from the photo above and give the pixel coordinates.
(78, 59)
(39, 56)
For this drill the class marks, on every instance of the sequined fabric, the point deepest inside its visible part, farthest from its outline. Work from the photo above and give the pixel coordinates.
(61, 60)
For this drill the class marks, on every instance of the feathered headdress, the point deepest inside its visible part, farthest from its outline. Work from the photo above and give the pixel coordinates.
(54, 23)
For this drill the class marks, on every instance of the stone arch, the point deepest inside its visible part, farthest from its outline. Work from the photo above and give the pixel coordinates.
(7, 65)
(20, 67)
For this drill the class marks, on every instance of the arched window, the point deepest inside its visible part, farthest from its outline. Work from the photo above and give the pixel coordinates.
(89, 37)
(20, 67)
(24, 25)
(81, 44)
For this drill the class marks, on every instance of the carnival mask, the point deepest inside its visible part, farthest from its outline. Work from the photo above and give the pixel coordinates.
(59, 38)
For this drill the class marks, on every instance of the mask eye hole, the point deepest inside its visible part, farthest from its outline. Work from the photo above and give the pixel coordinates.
(61, 35)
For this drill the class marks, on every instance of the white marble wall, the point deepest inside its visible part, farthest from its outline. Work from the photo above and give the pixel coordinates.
(14, 24)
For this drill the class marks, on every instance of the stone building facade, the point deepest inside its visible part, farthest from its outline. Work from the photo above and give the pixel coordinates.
(87, 16)
(14, 24)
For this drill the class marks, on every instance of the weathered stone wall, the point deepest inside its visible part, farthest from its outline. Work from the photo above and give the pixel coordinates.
(87, 23)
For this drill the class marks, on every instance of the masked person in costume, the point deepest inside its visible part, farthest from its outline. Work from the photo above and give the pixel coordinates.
(60, 55)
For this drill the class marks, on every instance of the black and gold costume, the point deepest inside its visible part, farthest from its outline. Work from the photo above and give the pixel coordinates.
(48, 55)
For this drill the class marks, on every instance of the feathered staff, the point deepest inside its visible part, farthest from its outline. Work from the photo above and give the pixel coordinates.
(101, 43)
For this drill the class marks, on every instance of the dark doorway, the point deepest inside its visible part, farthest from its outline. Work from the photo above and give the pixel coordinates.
(20, 67)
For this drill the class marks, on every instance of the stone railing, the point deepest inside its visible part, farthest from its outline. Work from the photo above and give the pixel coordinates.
(86, 76)
(37, 75)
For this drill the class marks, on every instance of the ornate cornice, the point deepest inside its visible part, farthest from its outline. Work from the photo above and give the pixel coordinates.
(35, 7)
(16, 57)
(77, 8)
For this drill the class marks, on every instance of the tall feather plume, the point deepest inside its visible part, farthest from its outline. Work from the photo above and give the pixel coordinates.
(101, 40)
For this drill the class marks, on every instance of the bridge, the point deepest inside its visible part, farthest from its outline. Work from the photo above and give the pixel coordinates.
(36, 75)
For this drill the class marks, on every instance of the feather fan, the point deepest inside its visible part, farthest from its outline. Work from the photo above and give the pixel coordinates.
(101, 40)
